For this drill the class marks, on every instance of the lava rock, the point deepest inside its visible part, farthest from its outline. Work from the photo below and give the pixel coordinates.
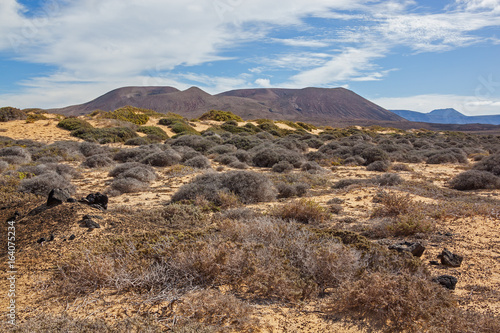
(41, 240)
(447, 281)
(96, 200)
(91, 224)
(72, 237)
(57, 196)
(14, 217)
(71, 200)
(416, 249)
(51, 238)
(450, 259)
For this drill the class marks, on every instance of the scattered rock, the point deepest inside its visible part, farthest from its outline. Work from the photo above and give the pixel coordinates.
(91, 224)
(72, 237)
(450, 259)
(57, 196)
(14, 217)
(71, 200)
(90, 217)
(41, 240)
(96, 200)
(434, 262)
(51, 238)
(416, 249)
(446, 281)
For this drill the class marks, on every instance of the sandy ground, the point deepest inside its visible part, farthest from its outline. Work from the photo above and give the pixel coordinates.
(476, 238)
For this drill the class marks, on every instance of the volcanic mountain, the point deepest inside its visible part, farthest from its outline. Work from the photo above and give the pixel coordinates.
(447, 116)
(316, 105)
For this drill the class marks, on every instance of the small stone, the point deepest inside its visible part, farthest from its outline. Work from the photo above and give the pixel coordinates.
(51, 238)
(434, 262)
(447, 281)
(57, 196)
(71, 200)
(450, 259)
(72, 237)
(96, 200)
(89, 223)
(41, 240)
(416, 249)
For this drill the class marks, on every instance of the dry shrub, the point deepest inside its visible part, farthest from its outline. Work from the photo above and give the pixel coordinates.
(250, 187)
(401, 167)
(302, 210)
(228, 200)
(126, 185)
(379, 166)
(393, 204)
(45, 182)
(475, 180)
(387, 179)
(3, 166)
(162, 158)
(97, 161)
(174, 216)
(15, 155)
(282, 167)
(199, 162)
(217, 309)
(490, 164)
(390, 302)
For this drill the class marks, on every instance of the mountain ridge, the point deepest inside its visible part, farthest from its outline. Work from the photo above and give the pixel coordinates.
(447, 116)
(315, 105)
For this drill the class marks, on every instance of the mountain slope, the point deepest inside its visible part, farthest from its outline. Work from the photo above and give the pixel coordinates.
(317, 105)
(447, 116)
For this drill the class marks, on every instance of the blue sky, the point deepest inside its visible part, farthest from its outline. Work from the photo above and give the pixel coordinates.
(401, 54)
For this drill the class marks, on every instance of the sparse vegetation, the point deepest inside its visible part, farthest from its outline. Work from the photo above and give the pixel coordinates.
(220, 116)
(73, 124)
(105, 135)
(9, 113)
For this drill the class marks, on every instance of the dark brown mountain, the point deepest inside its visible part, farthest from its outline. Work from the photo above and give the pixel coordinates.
(315, 105)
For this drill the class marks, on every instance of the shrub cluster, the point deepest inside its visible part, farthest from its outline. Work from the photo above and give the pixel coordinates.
(250, 187)
(128, 113)
(72, 124)
(9, 113)
(220, 116)
(105, 135)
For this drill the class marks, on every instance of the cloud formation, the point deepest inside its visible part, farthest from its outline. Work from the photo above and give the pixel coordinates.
(100, 45)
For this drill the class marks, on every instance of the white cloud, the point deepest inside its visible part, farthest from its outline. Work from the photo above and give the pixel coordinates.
(265, 83)
(468, 105)
(103, 44)
(348, 65)
(301, 42)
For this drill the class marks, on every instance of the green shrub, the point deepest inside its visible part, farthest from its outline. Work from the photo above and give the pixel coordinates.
(153, 130)
(128, 113)
(9, 113)
(105, 135)
(183, 128)
(72, 124)
(32, 117)
(220, 116)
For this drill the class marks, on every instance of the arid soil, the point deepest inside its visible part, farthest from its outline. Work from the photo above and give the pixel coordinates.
(476, 238)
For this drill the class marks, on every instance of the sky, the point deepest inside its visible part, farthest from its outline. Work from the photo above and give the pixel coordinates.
(400, 54)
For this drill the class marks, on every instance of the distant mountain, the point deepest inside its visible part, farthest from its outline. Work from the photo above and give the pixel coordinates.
(315, 105)
(447, 116)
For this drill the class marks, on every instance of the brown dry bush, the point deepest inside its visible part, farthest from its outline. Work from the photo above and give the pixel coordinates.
(302, 210)
(392, 204)
(216, 309)
(392, 302)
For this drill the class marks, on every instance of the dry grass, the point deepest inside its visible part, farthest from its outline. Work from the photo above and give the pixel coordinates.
(302, 210)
